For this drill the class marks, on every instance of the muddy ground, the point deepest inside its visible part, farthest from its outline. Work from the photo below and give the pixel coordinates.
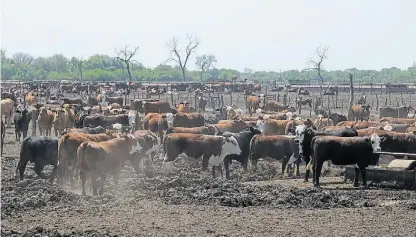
(186, 202)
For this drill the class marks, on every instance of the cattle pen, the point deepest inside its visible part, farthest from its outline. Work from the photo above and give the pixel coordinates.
(189, 202)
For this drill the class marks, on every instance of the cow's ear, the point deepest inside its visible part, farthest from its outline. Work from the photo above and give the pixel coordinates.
(383, 139)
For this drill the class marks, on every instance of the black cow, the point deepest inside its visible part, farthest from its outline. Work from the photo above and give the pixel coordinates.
(21, 122)
(88, 130)
(398, 142)
(305, 135)
(105, 121)
(243, 138)
(356, 151)
(40, 150)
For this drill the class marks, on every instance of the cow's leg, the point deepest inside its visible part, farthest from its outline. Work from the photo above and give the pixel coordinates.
(24, 134)
(21, 167)
(298, 167)
(52, 176)
(38, 169)
(82, 176)
(317, 172)
(205, 161)
(213, 172)
(284, 164)
(94, 177)
(356, 173)
(253, 160)
(363, 175)
(308, 162)
(103, 179)
(227, 168)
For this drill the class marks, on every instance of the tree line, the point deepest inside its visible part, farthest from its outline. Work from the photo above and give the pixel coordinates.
(122, 66)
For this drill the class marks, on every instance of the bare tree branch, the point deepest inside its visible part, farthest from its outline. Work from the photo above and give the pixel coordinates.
(125, 55)
(317, 64)
(175, 54)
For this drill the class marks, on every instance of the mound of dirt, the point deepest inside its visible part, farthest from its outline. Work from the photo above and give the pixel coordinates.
(30, 194)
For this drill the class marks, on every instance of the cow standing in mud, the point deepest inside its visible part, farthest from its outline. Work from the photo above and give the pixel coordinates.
(356, 151)
(212, 149)
(100, 158)
(40, 150)
(305, 135)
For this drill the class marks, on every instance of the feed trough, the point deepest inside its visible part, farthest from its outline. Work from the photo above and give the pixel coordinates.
(399, 171)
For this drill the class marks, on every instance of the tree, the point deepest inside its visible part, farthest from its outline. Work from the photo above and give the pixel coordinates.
(22, 58)
(77, 63)
(412, 71)
(317, 64)
(175, 52)
(204, 63)
(125, 55)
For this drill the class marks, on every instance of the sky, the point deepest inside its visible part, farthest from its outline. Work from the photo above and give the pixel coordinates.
(264, 35)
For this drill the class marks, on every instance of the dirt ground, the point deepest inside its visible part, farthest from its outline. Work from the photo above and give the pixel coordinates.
(187, 202)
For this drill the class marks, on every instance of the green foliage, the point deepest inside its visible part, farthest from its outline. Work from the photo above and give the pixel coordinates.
(22, 66)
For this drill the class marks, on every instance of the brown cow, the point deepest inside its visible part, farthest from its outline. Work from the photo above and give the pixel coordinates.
(321, 122)
(157, 123)
(183, 107)
(361, 112)
(188, 120)
(45, 121)
(31, 98)
(67, 151)
(7, 106)
(60, 121)
(275, 106)
(398, 120)
(331, 128)
(156, 107)
(207, 130)
(252, 103)
(100, 158)
(233, 126)
(137, 104)
(275, 127)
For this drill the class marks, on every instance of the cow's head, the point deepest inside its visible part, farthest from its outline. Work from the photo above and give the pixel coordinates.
(169, 118)
(230, 146)
(134, 145)
(302, 132)
(366, 108)
(376, 141)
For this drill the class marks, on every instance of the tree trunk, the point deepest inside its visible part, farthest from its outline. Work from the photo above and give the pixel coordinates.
(183, 74)
(128, 70)
(350, 118)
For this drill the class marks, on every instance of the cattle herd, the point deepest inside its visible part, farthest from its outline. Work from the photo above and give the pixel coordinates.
(103, 132)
